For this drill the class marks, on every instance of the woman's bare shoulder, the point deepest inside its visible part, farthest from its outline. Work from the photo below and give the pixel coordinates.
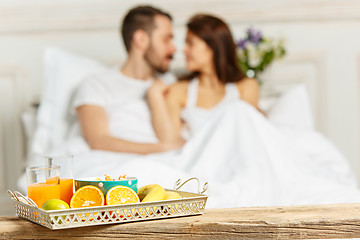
(180, 84)
(179, 87)
(247, 83)
(178, 91)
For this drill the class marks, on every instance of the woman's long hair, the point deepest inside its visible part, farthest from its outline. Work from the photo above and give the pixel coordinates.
(218, 37)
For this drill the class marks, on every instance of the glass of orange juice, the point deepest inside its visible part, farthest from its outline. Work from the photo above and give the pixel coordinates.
(43, 183)
(66, 173)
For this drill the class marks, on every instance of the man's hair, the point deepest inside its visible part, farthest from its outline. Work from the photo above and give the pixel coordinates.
(141, 17)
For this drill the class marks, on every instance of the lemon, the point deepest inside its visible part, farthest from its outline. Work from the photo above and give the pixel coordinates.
(171, 195)
(55, 204)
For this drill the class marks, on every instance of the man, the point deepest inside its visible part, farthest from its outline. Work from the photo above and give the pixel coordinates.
(111, 106)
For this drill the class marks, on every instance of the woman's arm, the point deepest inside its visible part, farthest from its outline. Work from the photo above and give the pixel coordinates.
(165, 105)
(159, 111)
(94, 124)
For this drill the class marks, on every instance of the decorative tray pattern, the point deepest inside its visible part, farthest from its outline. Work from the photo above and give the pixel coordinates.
(189, 204)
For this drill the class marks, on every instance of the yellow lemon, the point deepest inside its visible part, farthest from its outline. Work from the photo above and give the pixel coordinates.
(171, 195)
(150, 193)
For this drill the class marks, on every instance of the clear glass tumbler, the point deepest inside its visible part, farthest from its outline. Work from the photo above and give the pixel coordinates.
(43, 183)
(66, 173)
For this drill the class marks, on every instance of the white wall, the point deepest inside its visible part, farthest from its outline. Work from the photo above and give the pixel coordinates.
(322, 41)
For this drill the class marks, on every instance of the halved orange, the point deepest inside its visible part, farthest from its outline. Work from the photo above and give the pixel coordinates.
(121, 195)
(87, 196)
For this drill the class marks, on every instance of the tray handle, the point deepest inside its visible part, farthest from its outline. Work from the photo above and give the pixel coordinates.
(21, 198)
(178, 185)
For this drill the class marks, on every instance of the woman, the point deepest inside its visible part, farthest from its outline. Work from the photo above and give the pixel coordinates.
(215, 79)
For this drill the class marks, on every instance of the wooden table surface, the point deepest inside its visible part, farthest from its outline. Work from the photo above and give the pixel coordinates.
(294, 222)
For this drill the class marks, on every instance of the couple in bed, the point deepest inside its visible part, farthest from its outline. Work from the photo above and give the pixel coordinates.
(106, 102)
(247, 159)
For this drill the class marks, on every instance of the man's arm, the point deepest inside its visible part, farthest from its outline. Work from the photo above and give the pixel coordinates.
(94, 125)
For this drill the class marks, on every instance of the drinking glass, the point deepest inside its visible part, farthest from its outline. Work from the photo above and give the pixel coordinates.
(66, 173)
(43, 183)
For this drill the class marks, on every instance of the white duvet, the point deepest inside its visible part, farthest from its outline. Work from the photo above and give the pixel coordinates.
(247, 159)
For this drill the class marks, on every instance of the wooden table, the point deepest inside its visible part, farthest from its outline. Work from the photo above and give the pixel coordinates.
(295, 222)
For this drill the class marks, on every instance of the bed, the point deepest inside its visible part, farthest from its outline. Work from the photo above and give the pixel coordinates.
(89, 33)
(248, 159)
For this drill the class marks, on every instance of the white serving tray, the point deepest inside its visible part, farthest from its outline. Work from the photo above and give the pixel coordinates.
(189, 204)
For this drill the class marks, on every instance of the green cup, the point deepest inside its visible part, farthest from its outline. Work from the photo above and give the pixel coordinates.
(105, 186)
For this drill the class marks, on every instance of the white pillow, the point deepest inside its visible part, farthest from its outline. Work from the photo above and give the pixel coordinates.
(293, 109)
(63, 72)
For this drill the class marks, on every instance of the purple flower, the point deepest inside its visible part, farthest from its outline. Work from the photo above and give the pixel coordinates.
(241, 43)
(253, 35)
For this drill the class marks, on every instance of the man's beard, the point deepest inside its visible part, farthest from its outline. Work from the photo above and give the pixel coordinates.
(156, 65)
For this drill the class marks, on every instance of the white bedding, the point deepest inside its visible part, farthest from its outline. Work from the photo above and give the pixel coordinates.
(248, 160)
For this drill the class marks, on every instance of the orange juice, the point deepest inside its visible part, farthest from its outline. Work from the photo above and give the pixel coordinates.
(41, 192)
(66, 192)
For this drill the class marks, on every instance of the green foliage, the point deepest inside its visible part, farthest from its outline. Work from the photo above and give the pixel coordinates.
(256, 53)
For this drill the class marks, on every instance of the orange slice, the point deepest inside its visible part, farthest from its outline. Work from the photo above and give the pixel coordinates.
(108, 178)
(121, 195)
(53, 180)
(87, 196)
(122, 177)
